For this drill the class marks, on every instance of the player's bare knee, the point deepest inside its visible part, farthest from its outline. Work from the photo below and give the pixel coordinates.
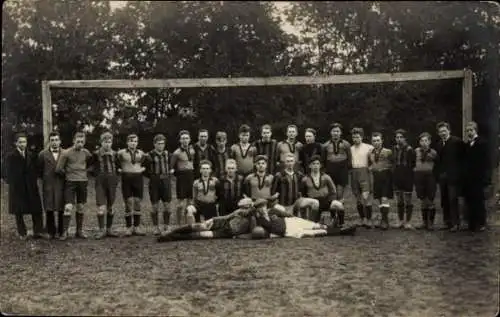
(137, 204)
(68, 209)
(101, 210)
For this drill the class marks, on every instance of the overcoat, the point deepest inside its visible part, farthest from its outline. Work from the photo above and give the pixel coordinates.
(24, 197)
(52, 183)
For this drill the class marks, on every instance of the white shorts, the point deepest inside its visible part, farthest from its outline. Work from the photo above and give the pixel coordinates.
(296, 226)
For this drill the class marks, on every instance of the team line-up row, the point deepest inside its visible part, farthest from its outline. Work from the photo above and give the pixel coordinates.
(306, 179)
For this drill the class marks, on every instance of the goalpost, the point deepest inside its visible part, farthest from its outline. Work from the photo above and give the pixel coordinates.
(465, 75)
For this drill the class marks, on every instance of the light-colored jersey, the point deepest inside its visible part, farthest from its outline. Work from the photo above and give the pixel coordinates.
(360, 155)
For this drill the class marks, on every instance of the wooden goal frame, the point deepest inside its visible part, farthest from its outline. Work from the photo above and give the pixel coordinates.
(465, 75)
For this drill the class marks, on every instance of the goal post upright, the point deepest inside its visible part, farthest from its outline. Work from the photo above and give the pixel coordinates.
(465, 75)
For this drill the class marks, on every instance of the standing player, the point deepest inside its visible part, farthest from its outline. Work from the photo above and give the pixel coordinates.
(74, 163)
(52, 185)
(24, 197)
(381, 168)
(157, 169)
(268, 147)
(131, 162)
(290, 145)
(221, 154)
(287, 183)
(259, 184)
(404, 164)
(105, 167)
(360, 176)
(182, 167)
(244, 152)
(230, 189)
(337, 159)
(203, 151)
(425, 182)
(205, 193)
(320, 186)
(310, 149)
(448, 169)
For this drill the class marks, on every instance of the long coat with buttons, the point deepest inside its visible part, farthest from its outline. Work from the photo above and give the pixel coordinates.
(52, 183)
(24, 197)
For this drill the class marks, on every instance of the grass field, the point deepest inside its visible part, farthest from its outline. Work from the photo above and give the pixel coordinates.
(393, 273)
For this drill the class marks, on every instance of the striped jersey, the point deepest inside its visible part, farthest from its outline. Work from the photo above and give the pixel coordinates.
(425, 159)
(205, 191)
(404, 157)
(380, 159)
(337, 151)
(256, 186)
(321, 187)
(157, 164)
(270, 150)
(105, 162)
(244, 157)
(202, 153)
(182, 159)
(230, 191)
(285, 147)
(288, 186)
(131, 161)
(219, 162)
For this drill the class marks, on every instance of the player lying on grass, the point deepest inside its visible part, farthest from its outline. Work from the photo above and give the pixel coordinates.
(236, 223)
(277, 222)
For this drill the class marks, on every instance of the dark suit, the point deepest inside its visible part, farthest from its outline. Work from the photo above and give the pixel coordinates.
(448, 171)
(52, 189)
(476, 176)
(24, 197)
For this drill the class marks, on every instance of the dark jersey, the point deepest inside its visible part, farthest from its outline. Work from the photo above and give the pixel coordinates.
(288, 187)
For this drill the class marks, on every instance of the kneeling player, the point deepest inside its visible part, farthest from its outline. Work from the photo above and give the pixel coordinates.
(320, 187)
(277, 221)
(236, 223)
(381, 168)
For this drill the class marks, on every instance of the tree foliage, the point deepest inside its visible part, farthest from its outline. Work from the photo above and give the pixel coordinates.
(195, 39)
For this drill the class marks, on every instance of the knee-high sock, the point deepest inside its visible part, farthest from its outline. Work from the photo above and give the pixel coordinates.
(60, 222)
(109, 220)
(368, 212)
(409, 212)
(360, 210)
(401, 212)
(384, 211)
(154, 218)
(425, 215)
(340, 215)
(128, 220)
(432, 215)
(137, 220)
(100, 221)
(166, 218)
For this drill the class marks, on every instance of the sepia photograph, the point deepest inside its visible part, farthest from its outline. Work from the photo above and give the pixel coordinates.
(250, 158)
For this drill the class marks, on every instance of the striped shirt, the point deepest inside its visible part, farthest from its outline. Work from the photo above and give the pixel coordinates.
(321, 188)
(288, 187)
(284, 147)
(360, 155)
(308, 151)
(131, 161)
(404, 157)
(74, 163)
(337, 151)
(425, 159)
(220, 162)
(157, 164)
(105, 162)
(205, 153)
(182, 159)
(270, 150)
(380, 159)
(205, 191)
(244, 158)
(230, 191)
(256, 186)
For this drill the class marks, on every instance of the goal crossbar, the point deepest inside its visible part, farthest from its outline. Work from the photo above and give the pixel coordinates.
(465, 75)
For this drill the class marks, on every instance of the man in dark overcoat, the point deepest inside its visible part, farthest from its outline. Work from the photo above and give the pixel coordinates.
(24, 198)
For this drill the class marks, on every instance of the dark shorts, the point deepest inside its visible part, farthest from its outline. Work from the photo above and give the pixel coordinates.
(382, 184)
(159, 189)
(360, 181)
(276, 225)
(225, 208)
(324, 203)
(184, 184)
(403, 179)
(132, 186)
(105, 189)
(220, 224)
(425, 185)
(75, 191)
(208, 210)
(339, 172)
